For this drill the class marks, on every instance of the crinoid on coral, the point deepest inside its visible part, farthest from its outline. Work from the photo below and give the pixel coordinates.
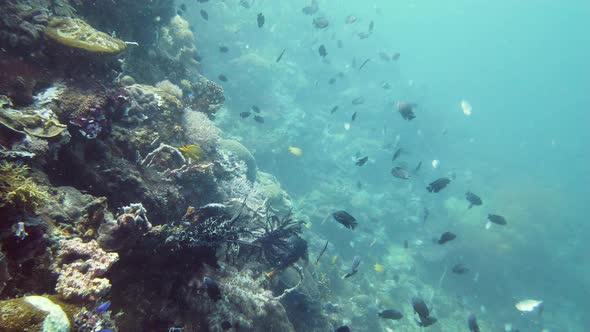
(19, 190)
(277, 240)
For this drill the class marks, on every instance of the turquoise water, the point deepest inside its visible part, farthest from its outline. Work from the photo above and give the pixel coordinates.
(522, 66)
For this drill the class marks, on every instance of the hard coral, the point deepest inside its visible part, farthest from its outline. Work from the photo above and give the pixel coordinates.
(206, 96)
(77, 34)
(200, 130)
(21, 25)
(80, 267)
(126, 230)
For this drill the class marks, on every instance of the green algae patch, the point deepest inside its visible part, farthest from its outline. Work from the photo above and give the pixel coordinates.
(76, 33)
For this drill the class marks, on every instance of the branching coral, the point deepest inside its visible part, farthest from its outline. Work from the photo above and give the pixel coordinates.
(80, 267)
(19, 190)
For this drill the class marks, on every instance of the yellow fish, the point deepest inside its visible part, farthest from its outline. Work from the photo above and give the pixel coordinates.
(192, 151)
(295, 150)
(378, 267)
(308, 225)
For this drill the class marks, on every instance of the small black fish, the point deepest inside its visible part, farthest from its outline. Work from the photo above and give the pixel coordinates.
(223, 49)
(438, 184)
(395, 57)
(472, 323)
(446, 237)
(391, 314)
(280, 55)
(204, 15)
(400, 173)
(406, 110)
(460, 269)
(353, 117)
(255, 109)
(258, 119)
(225, 325)
(334, 109)
(359, 185)
(473, 199)
(311, 9)
(345, 219)
(260, 20)
(244, 115)
(427, 321)
(358, 101)
(385, 86)
(364, 63)
(371, 26)
(212, 288)
(320, 22)
(406, 246)
(343, 328)
(222, 78)
(497, 219)
(397, 153)
(362, 161)
(322, 51)
(355, 267)
(332, 81)
(420, 307)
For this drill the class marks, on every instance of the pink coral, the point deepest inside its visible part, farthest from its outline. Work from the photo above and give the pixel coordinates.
(80, 267)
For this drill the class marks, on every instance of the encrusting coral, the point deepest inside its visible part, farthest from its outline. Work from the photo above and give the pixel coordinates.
(80, 267)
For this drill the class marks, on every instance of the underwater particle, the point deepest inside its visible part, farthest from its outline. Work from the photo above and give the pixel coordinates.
(406, 110)
(417, 169)
(260, 20)
(466, 107)
(384, 56)
(320, 22)
(438, 185)
(354, 268)
(362, 161)
(183, 7)
(322, 51)
(295, 150)
(446, 237)
(497, 219)
(371, 26)
(76, 33)
(396, 154)
(346, 126)
(459, 269)
(343, 328)
(223, 49)
(280, 55)
(191, 150)
(345, 219)
(406, 244)
(378, 268)
(334, 109)
(528, 305)
(212, 288)
(258, 119)
(244, 115)
(391, 314)
(400, 173)
(472, 323)
(255, 108)
(358, 101)
(204, 14)
(103, 307)
(435, 163)
(222, 78)
(395, 57)
(473, 199)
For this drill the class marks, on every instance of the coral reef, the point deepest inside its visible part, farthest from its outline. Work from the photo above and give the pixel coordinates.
(21, 25)
(170, 88)
(206, 96)
(80, 267)
(126, 230)
(200, 130)
(241, 153)
(17, 189)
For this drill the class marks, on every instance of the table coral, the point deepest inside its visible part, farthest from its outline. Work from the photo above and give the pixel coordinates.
(80, 267)
(77, 34)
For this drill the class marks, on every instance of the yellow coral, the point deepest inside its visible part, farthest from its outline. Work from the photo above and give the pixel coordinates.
(17, 189)
(76, 33)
